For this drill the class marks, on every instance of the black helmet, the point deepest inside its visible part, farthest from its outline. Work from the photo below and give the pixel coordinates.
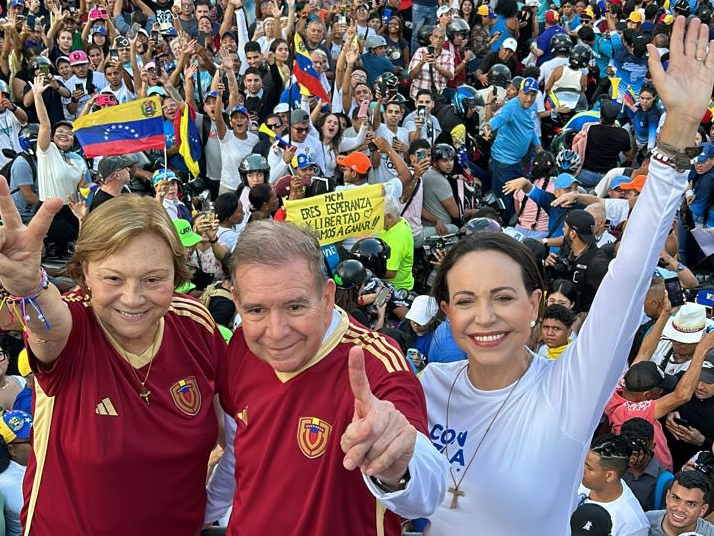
(705, 13)
(499, 75)
(580, 56)
(373, 253)
(350, 274)
(457, 26)
(424, 35)
(682, 8)
(543, 164)
(442, 151)
(253, 162)
(28, 137)
(37, 62)
(517, 81)
(387, 84)
(561, 44)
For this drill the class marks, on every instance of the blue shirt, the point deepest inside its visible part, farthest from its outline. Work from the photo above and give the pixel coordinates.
(516, 132)
(630, 69)
(375, 65)
(175, 161)
(544, 42)
(702, 187)
(645, 124)
(443, 347)
(556, 216)
(506, 32)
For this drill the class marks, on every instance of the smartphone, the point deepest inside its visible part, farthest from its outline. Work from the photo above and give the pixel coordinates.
(394, 140)
(259, 26)
(201, 38)
(382, 297)
(113, 54)
(674, 291)
(131, 33)
(157, 63)
(103, 13)
(154, 36)
(430, 49)
(421, 111)
(79, 87)
(362, 114)
(31, 21)
(45, 70)
(209, 210)
(72, 5)
(106, 100)
(420, 155)
(387, 16)
(681, 422)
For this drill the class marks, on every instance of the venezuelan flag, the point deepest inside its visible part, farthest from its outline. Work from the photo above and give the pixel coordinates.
(629, 97)
(123, 129)
(305, 72)
(187, 138)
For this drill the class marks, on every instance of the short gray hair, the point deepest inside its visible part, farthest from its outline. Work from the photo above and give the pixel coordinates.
(391, 206)
(272, 243)
(597, 211)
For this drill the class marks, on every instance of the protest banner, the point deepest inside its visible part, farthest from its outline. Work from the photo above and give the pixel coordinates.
(339, 215)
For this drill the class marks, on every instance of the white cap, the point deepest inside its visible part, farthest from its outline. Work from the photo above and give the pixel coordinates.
(443, 10)
(510, 44)
(423, 309)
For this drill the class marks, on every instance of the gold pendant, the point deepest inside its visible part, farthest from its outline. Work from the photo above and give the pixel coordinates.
(145, 395)
(455, 494)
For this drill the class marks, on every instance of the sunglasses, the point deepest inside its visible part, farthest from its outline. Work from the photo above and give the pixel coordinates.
(301, 130)
(274, 125)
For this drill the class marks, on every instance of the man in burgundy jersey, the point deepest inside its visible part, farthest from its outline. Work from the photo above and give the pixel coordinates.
(315, 396)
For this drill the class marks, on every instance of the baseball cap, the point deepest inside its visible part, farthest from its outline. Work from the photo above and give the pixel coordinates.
(443, 10)
(149, 65)
(510, 44)
(374, 41)
(239, 109)
(121, 42)
(590, 519)
(639, 45)
(707, 152)
(635, 16)
(588, 13)
(61, 59)
(14, 3)
(226, 34)
(186, 235)
(609, 110)
(282, 187)
(210, 94)
(15, 424)
(299, 116)
(303, 160)
(110, 164)
(688, 325)
(583, 223)
(78, 57)
(23, 363)
(423, 309)
(618, 181)
(99, 30)
(356, 161)
(163, 175)
(486, 10)
(529, 84)
(707, 374)
(156, 90)
(281, 108)
(564, 180)
(551, 16)
(666, 19)
(647, 375)
(635, 184)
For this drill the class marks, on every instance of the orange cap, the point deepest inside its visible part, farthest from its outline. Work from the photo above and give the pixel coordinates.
(356, 161)
(635, 184)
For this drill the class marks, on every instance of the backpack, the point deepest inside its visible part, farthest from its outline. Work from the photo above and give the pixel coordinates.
(6, 170)
(580, 141)
(212, 291)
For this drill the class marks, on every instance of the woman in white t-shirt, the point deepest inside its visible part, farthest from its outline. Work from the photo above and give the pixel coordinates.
(236, 144)
(229, 211)
(330, 131)
(516, 427)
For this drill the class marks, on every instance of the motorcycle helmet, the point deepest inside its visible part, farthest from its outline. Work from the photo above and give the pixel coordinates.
(567, 161)
(477, 225)
(373, 253)
(37, 63)
(443, 151)
(543, 165)
(682, 8)
(580, 56)
(350, 274)
(253, 162)
(560, 44)
(4, 89)
(424, 35)
(28, 137)
(466, 99)
(387, 84)
(499, 75)
(457, 26)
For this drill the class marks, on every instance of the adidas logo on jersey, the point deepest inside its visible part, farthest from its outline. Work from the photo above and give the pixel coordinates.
(105, 407)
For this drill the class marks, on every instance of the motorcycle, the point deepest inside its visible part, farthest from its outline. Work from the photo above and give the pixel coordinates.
(562, 104)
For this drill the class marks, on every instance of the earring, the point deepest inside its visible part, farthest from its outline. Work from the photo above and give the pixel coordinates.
(533, 323)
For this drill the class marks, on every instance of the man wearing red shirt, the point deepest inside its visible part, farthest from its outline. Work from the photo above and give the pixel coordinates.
(315, 396)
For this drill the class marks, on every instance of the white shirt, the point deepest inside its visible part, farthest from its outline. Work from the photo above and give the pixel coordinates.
(11, 490)
(233, 150)
(98, 81)
(212, 147)
(9, 131)
(617, 210)
(628, 518)
(430, 131)
(525, 477)
(605, 238)
(386, 170)
(663, 348)
(311, 146)
(57, 175)
(122, 94)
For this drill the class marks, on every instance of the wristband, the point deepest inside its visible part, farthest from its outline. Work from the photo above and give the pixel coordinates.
(23, 314)
(212, 241)
(402, 483)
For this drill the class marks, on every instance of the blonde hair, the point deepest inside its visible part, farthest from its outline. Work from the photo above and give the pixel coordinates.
(114, 223)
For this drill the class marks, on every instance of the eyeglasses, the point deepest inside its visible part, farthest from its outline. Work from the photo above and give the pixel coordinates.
(301, 130)
(274, 125)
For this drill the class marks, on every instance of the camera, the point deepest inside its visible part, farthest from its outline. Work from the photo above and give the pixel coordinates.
(437, 242)
(559, 270)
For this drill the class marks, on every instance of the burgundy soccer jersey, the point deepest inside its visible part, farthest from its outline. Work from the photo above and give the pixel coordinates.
(104, 463)
(289, 474)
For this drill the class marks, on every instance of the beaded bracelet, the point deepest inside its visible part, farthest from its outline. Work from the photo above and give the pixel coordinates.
(13, 302)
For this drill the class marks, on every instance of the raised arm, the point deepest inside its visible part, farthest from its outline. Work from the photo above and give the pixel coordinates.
(43, 135)
(593, 364)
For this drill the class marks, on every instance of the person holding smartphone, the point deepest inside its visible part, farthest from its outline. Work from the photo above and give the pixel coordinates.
(432, 66)
(83, 83)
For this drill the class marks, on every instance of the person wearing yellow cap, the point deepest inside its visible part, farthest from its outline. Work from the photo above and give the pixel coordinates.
(15, 428)
(634, 20)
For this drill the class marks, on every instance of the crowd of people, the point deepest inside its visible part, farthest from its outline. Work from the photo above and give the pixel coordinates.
(522, 346)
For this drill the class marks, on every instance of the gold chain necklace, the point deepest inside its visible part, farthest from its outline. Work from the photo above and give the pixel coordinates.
(144, 393)
(455, 491)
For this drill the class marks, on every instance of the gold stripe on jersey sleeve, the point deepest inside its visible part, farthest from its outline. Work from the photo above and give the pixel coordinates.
(380, 518)
(358, 341)
(42, 422)
(380, 342)
(193, 316)
(195, 307)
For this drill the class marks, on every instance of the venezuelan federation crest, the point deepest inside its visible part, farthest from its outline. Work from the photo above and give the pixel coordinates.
(187, 395)
(312, 436)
